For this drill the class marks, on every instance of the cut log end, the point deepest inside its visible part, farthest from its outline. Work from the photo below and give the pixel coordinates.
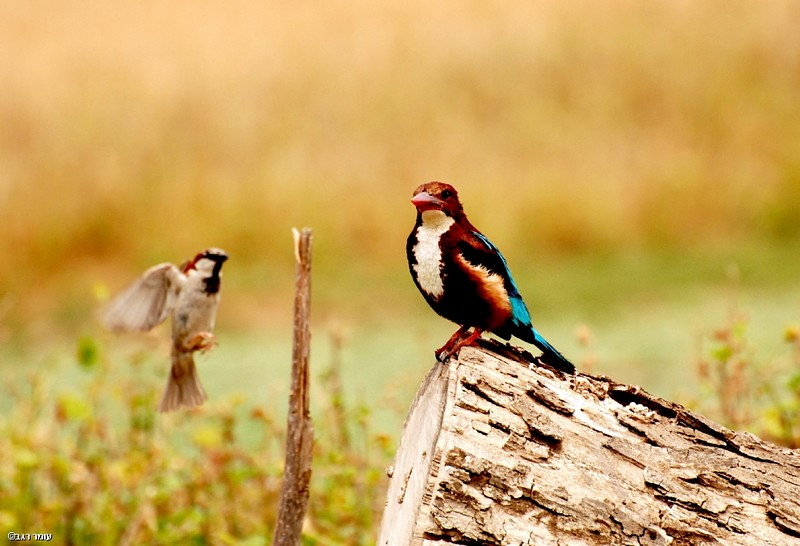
(499, 450)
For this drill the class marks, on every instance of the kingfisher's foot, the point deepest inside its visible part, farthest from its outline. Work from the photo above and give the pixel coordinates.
(455, 343)
(442, 354)
(469, 340)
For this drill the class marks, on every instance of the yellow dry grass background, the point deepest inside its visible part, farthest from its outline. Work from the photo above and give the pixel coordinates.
(137, 132)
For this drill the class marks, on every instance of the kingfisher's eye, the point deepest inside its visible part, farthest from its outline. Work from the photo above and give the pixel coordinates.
(446, 194)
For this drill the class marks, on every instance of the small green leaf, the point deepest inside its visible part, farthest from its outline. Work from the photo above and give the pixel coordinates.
(88, 352)
(794, 382)
(722, 353)
(72, 407)
(26, 458)
(208, 436)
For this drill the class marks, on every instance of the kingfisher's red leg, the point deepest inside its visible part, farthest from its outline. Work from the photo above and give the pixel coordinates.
(467, 340)
(446, 350)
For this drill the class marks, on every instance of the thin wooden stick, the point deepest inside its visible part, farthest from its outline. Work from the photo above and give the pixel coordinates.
(300, 432)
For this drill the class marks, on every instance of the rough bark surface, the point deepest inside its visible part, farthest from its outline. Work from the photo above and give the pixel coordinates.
(499, 450)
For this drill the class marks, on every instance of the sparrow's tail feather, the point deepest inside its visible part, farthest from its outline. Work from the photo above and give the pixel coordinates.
(183, 387)
(551, 355)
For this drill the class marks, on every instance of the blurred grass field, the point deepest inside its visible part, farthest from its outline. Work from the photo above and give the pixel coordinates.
(637, 162)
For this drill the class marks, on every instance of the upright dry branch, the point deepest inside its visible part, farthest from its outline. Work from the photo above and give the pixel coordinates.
(300, 433)
(500, 451)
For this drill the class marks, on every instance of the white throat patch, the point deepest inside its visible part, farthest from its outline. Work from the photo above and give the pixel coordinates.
(427, 252)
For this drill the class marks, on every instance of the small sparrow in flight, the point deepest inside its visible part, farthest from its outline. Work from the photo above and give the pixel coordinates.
(190, 294)
(464, 278)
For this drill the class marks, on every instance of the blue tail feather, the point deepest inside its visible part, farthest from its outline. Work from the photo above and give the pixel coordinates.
(523, 329)
(550, 354)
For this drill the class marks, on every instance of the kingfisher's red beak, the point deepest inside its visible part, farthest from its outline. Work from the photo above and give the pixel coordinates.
(425, 201)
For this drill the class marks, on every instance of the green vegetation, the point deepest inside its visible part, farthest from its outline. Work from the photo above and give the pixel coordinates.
(744, 393)
(637, 163)
(94, 464)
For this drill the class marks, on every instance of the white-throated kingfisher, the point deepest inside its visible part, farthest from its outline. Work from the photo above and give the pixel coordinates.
(464, 278)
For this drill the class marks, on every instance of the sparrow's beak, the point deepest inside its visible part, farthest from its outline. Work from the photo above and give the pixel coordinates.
(425, 201)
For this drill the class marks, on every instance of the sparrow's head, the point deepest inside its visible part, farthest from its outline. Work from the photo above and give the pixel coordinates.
(207, 261)
(437, 196)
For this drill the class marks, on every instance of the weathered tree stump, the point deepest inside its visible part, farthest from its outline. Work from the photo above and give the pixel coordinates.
(499, 450)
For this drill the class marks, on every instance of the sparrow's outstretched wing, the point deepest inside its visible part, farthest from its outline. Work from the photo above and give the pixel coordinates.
(147, 302)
